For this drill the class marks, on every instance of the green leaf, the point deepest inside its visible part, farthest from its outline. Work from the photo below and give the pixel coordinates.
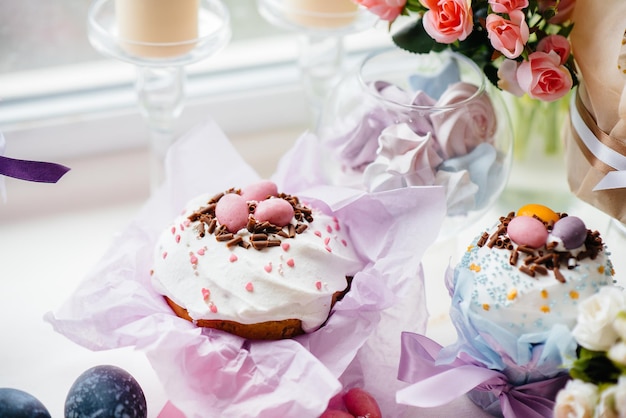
(414, 38)
(491, 72)
(594, 367)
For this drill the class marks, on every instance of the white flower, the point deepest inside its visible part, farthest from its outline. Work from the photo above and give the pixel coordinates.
(620, 324)
(617, 353)
(620, 397)
(606, 404)
(594, 328)
(576, 400)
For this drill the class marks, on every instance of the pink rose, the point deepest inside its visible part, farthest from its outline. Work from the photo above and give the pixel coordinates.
(447, 21)
(508, 36)
(385, 9)
(543, 77)
(556, 43)
(564, 11)
(507, 78)
(470, 121)
(507, 6)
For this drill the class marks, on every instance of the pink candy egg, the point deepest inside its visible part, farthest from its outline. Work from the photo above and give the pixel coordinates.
(571, 230)
(232, 212)
(259, 191)
(275, 211)
(526, 230)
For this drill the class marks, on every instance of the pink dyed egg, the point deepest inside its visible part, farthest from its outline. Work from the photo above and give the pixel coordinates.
(571, 230)
(526, 230)
(275, 211)
(260, 190)
(232, 212)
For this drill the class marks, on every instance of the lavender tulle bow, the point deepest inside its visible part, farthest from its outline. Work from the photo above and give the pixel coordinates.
(435, 384)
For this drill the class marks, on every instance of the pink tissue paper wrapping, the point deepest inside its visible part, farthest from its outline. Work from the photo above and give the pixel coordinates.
(211, 373)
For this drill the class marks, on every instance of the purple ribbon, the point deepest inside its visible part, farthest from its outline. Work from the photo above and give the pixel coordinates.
(39, 171)
(438, 384)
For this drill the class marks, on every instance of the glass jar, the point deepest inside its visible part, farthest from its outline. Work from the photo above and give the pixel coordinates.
(419, 120)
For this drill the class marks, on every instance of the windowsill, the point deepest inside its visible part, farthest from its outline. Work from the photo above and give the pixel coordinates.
(251, 89)
(111, 179)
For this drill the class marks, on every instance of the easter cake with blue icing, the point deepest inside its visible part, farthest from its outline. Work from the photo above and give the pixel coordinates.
(530, 270)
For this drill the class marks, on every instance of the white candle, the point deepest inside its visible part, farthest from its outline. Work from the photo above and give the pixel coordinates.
(143, 22)
(321, 13)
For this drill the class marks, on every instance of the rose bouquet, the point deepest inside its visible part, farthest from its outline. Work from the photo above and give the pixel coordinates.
(598, 387)
(521, 45)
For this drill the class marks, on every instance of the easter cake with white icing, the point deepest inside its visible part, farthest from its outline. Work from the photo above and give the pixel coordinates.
(254, 262)
(530, 271)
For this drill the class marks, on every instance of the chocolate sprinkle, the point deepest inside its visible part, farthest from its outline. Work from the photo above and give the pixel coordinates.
(541, 261)
(262, 234)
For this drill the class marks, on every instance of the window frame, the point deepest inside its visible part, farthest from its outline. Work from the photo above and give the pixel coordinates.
(90, 108)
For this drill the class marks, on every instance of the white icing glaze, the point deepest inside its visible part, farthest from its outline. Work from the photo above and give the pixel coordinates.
(510, 298)
(294, 280)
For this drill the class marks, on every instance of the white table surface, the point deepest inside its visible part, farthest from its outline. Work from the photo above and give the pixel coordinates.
(44, 256)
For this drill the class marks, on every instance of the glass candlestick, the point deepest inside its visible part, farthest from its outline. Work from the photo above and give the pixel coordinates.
(159, 37)
(321, 25)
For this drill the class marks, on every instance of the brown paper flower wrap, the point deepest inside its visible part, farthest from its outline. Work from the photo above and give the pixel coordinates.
(596, 141)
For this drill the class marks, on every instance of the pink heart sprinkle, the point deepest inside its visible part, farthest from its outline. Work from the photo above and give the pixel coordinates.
(201, 251)
(344, 242)
(326, 240)
(329, 229)
(177, 238)
(285, 246)
(290, 262)
(173, 230)
(206, 294)
(164, 254)
(318, 285)
(249, 287)
(268, 267)
(193, 259)
(233, 258)
(318, 233)
(213, 308)
(327, 248)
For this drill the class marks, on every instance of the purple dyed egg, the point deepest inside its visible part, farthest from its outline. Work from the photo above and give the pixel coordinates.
(571, 230)
(105, 391)
(529, 231)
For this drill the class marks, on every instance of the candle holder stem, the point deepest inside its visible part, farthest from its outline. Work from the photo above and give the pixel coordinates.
(320, 61)
(160, 91)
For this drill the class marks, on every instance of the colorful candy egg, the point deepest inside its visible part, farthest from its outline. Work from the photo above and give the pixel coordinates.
(232, 212)
(526, 230)
(260, 190)
(571, 230)
(278, 212)
(540, 211)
